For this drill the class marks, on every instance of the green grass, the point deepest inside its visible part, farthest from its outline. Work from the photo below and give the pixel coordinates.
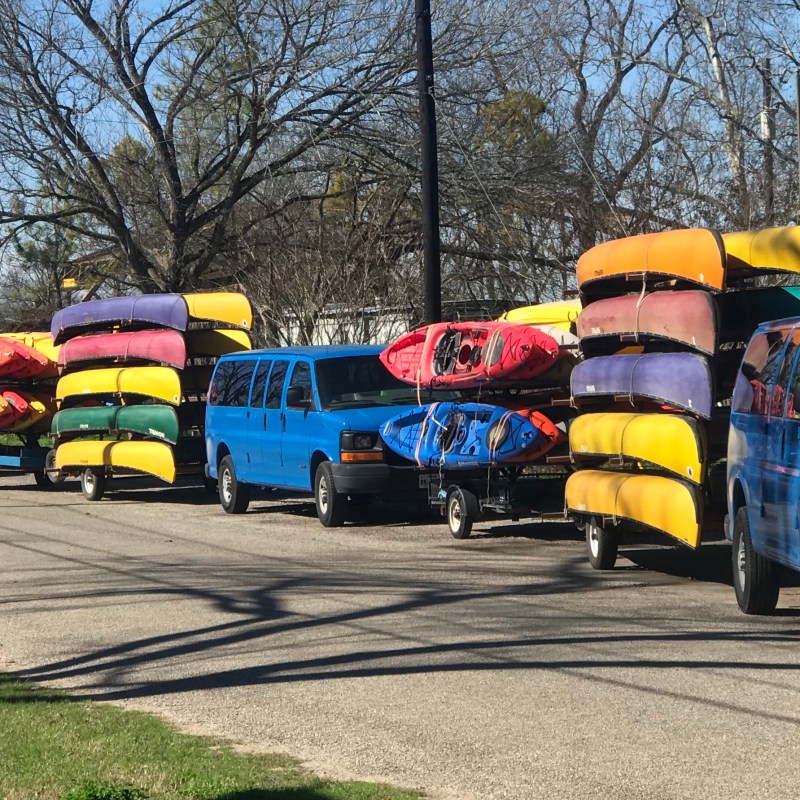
(56, 748)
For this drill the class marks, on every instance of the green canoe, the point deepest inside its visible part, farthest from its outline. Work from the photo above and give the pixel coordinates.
(153, 421)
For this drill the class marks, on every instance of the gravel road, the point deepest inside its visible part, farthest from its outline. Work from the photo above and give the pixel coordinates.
(498, 667)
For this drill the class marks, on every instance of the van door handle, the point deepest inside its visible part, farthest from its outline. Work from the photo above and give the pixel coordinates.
(264, 418)
(283, 421)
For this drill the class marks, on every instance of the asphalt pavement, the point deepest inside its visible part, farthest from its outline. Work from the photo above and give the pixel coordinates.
(502, 666)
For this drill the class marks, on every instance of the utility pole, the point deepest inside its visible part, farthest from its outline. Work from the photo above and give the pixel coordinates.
(767, 138)
(430, 165)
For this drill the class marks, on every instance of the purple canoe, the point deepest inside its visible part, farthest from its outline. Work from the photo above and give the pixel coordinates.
(162, 346)
(686, 317)
(127, 313)
(680, 380)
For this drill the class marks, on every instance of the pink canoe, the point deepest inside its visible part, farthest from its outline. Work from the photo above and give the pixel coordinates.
(685, 317)
(151, 346)
(470, 354)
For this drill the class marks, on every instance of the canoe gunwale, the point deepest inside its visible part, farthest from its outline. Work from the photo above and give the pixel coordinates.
(580, 516)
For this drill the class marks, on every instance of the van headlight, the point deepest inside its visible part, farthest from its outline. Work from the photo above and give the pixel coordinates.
(361, 446)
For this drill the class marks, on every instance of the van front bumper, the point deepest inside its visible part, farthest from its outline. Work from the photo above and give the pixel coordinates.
(378, 479)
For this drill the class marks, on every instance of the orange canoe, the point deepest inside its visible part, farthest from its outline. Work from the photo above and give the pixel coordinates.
(689, 257)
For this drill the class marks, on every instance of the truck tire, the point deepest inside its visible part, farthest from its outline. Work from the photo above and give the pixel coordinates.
(462, 509)
(756, 579)
(234, 497)
(331, 506)
(93, 483)
(601, 544)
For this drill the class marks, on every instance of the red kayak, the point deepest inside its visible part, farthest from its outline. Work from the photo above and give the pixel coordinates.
(14, 411)
(462, 355)
(152, 346)
(26, 362)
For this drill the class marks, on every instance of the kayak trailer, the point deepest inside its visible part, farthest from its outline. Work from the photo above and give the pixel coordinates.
(30, 457)
(463, 497)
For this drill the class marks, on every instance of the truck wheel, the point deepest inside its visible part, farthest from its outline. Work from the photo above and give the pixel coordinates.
(756, 579)
(234, 497)
(331, 506)
(601, 544)
(462, 511)
(93, 483)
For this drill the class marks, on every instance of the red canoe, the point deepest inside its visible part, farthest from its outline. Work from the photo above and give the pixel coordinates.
(15, 408)
(152, 346)
(468, 354)
(687, 317)
(26, 362)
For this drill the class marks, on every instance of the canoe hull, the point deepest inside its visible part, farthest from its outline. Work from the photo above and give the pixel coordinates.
(159, 383)
(671, 442)
(216, 342)
(563, 314)
(151, 458)
(157, 347)
(680, 380)
(764, 251)
(469, 435)
(663, 504)
(685, 317)
(150, 421)
(470, 354)
(691, 256)
(225, 308)
(125, 313)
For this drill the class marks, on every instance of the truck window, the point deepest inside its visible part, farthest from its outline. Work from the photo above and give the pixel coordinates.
(231, 383)
(301, 376)
(260, 383)
(275, 385)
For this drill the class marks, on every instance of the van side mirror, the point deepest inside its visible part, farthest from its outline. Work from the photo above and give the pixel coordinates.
(296, 398)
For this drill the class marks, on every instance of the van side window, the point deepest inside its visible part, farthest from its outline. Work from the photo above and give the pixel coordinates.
(237, 387)
(275, 385)
(301, 377)
(759, 367)
(793, 391)
(779, 390)
(260, 383)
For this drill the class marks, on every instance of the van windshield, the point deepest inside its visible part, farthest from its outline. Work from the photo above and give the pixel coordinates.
(361, 381)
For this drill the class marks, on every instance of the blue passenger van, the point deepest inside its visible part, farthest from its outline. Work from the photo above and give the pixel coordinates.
(763, 484)
(305, 418)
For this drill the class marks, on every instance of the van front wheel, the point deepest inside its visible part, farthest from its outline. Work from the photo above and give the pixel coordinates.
(756, 580)
(331, 506)
(234, 497)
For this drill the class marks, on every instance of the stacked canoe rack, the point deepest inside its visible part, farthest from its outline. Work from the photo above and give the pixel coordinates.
(472, 446)
(27, 383)
(665, 318)
(134, 373)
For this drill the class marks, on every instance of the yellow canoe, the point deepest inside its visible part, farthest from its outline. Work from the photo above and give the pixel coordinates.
(231, 308)
(770, 249)
(671, 442)
(561, 313)
(161, 383)
(152, 458)
(694, 255)
(41, 341)
(664, 504)
(216, 342)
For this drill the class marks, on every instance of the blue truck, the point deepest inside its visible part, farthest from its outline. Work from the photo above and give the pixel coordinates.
(305, 418)
(763, 470)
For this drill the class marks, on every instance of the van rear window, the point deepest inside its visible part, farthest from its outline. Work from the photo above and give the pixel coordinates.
(231, 384)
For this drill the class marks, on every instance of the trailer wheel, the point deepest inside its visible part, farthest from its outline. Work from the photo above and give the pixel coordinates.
(49, 476)
(756, 579)
(462, 511)
(601, 544)
(93, 483)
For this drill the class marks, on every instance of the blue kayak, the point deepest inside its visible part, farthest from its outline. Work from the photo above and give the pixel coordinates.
(469, 435)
